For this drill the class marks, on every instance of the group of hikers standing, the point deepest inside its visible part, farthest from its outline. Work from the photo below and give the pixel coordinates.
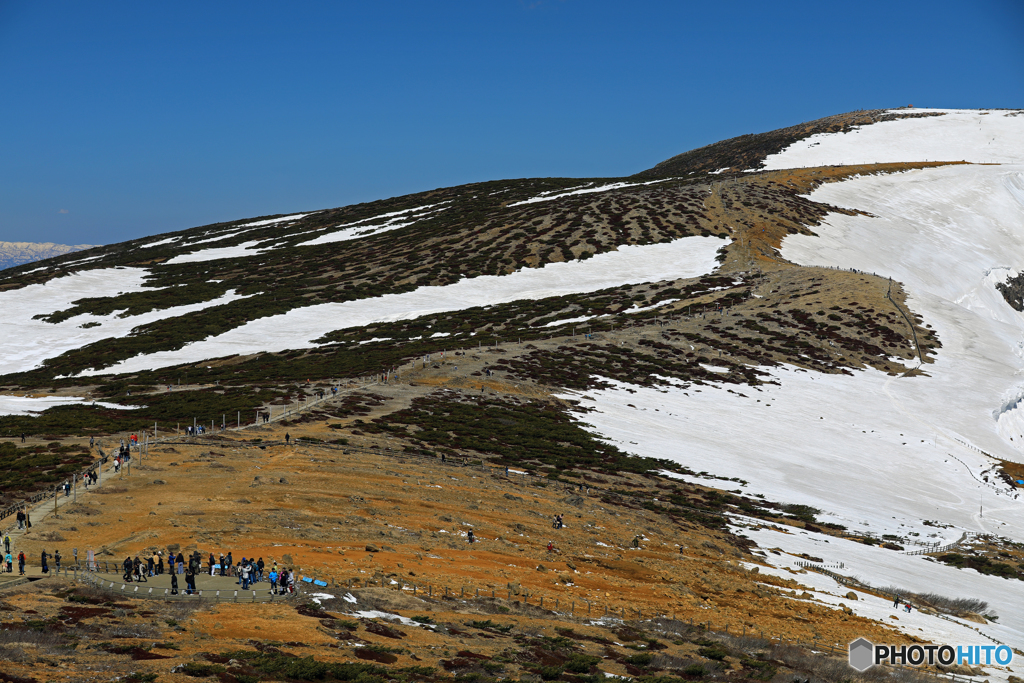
(248, 571)
(8, 559)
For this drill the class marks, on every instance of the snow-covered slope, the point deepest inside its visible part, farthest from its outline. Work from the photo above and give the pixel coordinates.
(881, 453)
(688, 257)
(978, 136)
(26, 341)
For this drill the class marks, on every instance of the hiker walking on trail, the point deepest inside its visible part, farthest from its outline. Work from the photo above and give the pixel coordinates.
(43, 558)
(896, 601)
(21, 563)
(174, 583)
(7, 543)
(56, 559)
(9, 561)
(181, 563)
(21, 519)
(190, 581)
(272, 576)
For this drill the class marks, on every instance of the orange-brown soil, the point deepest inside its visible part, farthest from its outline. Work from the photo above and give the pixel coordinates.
(317, 510)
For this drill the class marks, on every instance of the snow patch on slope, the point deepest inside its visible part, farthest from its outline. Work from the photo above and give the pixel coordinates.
(880, 567)
(957, 135)
(26, 343)
(687, 257)
(548, 196)
(29, 405)
(364, 228)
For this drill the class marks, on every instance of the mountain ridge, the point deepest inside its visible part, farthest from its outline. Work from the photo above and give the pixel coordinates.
(812, 314)
(19, 253)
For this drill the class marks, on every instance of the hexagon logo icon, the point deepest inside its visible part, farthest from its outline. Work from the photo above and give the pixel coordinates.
(862, 654)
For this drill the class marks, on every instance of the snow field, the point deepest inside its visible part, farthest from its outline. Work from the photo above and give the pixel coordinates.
(828, 441)
(947, 234)
(27, 405)
(875, 452)
(687, 257)
(880, 568)
(26, 343)
(957, 135)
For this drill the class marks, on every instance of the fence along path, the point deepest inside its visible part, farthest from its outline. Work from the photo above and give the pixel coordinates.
(30, 500)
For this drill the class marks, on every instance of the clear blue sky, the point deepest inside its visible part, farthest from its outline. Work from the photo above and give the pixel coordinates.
(126, 119)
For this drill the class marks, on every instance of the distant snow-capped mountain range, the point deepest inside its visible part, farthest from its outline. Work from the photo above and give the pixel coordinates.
(16, 253)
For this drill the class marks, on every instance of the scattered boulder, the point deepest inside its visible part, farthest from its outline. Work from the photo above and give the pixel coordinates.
(159, 482)
(371, 548)
(576, 501)
(851, 596)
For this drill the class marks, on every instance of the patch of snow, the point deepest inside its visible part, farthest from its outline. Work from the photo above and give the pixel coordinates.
(360, 229)
(666, 302)
(544, 197)
(957, 135)
(271, 221)
(566, 321)
(26, 342)
(686, 257)
(238, 251)
(389, 616)
(27, 405)
(348, 597)
(713, 368)
(317, 597)
(161, 242)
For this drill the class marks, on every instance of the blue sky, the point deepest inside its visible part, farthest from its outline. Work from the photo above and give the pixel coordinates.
(126, 119)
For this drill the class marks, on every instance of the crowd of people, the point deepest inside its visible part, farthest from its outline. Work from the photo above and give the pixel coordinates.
(247, 571)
